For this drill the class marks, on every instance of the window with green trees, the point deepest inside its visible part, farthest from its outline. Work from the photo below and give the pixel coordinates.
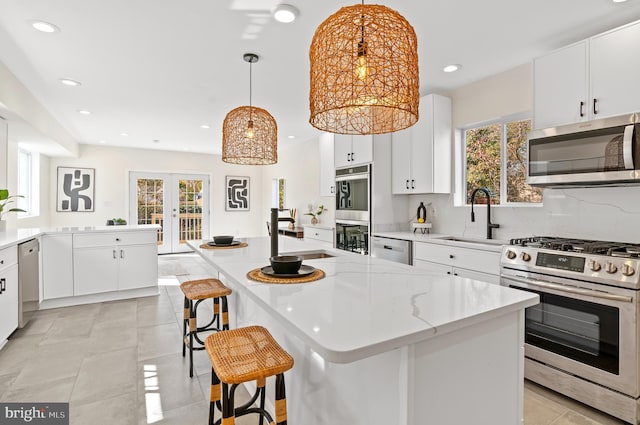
(495, 156)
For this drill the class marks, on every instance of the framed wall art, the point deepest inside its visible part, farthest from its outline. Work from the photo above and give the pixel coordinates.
(237, 198)
(75, 189)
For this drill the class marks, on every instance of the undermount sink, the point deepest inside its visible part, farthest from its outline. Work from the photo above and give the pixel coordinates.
(311, 255)
(475, 241)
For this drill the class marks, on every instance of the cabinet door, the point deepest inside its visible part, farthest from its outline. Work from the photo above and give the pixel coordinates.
(8, 301)
(138, 266)
(361, 149)
(559, 87)
(401, 142)
(57, 266)
(433, 267)
(95, 270)
(472, 274)
(342, 150)
(327, 169)
(614, 71)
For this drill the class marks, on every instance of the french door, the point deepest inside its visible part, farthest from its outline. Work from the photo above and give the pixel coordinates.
(177, 202)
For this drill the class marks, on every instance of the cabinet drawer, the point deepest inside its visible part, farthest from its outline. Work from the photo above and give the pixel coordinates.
(472, 259)
(81, 240)
(8, 257)
(324, 235)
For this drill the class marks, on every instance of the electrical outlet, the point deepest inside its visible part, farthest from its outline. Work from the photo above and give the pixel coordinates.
(433, 212)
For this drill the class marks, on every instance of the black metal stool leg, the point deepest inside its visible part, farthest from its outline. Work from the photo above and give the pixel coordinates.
(281, 401)
(185, 318)
(192, 329)
(228, 411)
(214, 396)
(225, 314)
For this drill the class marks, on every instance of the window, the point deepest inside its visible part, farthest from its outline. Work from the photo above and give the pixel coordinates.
(495, 158)
(278, 193)
(28, 179)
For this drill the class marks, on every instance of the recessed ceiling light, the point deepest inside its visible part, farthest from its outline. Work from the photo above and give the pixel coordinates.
(619, 1)
(69, 82)
(205, 126)
(291, 137)
(452, 68)
(102, 142)
(285, 13)
(185, 149)
(124, 134)
(84, 112)
(44, 26)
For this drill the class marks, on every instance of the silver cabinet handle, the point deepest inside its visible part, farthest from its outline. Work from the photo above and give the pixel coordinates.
(571, 290)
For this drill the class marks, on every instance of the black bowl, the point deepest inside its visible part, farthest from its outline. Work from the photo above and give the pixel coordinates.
(286, 264)
(223, 240)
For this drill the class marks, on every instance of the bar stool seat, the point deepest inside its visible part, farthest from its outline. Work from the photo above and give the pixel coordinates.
(243, 355)
(198, 291)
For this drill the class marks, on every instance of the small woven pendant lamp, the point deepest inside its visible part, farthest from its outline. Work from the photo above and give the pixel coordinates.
(364, 72)
(249, 134)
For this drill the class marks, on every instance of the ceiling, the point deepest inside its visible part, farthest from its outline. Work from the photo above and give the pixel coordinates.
(160, 69)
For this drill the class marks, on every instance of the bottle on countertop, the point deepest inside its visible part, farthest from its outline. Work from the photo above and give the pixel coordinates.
(422, 213)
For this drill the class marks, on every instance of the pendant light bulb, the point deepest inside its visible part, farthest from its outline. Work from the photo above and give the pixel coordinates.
(362, 70)
(250, 133)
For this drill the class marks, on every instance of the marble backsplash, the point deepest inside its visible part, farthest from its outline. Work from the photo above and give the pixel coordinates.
(600, 213)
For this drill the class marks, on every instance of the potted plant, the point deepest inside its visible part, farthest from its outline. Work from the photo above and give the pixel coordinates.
(315, 215)
(5, 200)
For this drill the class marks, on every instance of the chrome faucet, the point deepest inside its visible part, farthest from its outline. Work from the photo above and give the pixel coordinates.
(490, 226)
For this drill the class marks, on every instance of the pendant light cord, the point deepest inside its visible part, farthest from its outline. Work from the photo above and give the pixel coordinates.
(250, 90)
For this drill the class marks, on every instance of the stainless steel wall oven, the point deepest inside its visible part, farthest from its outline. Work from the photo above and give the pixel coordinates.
(582, 339)
(353, 201)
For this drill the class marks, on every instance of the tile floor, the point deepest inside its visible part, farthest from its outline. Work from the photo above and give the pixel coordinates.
(120, 363)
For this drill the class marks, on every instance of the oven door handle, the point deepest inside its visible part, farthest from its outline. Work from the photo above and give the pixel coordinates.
(570, 290)
(627, 147)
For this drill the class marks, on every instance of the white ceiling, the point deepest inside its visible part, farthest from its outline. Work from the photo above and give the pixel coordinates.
(159, 69)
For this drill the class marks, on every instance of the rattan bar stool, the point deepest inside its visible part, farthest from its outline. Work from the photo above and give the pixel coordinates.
(243, 355)
(198, 291)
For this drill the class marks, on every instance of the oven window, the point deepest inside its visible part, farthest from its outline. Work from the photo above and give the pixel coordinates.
(352, 237)
(352, 195)
(580, 330)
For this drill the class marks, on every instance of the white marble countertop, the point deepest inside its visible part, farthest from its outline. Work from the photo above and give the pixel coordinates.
(441, 239)
(16, 236)
(364, 306)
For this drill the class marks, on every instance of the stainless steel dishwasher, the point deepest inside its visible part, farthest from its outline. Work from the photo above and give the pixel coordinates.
(28, 278)
(397, 250)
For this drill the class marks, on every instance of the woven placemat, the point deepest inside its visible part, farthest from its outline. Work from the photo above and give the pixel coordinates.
(258, 276)
(240, 245)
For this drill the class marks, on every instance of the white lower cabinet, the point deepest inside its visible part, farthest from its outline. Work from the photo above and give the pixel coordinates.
(324, 235)
(8, 292)
(115, 261)
(57, 266)
(464, 262)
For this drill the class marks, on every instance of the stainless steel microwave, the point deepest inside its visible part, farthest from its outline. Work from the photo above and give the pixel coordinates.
(604, 151)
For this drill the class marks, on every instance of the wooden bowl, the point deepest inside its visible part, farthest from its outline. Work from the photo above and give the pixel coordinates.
(286, 264)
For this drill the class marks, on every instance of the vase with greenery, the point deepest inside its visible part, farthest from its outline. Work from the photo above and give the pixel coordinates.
(5, 200)
(315, 215)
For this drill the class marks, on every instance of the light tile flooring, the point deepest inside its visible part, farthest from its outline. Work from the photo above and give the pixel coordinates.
(120, 363)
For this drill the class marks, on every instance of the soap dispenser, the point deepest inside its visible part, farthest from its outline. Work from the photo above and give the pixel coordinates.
(422, 213)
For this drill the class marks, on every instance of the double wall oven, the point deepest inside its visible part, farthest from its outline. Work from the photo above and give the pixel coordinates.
(583, 338)
(353, 201)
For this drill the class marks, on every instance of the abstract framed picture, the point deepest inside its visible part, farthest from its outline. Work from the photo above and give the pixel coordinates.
(237, 198)
(75, 189)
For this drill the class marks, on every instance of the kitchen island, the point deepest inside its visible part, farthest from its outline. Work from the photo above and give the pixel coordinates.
(377, 342)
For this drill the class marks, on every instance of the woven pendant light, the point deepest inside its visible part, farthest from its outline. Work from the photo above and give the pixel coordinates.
(249, 134)
(364, 72)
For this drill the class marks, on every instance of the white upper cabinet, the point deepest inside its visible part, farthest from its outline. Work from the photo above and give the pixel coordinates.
(591, 79)
(560, 86)
(352, 150)
(421, 154)
(615, 86)
(327, 168)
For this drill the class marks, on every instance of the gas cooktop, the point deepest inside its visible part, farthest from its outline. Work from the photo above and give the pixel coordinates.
(612, 249)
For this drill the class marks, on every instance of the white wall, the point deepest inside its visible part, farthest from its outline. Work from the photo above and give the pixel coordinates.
(592, 213)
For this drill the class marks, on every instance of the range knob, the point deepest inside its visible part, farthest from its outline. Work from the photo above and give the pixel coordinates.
(627, 270)
(594, 265)
(610, 268)
(511, 254)
(525, 257)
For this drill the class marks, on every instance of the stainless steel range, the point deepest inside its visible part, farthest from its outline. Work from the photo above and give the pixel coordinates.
(583, 338)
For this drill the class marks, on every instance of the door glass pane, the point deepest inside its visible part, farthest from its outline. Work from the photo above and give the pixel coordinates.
(151, 204)
(190, 217)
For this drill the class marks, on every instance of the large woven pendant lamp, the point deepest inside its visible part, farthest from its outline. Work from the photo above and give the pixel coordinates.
(364, 72)
(249, 134)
